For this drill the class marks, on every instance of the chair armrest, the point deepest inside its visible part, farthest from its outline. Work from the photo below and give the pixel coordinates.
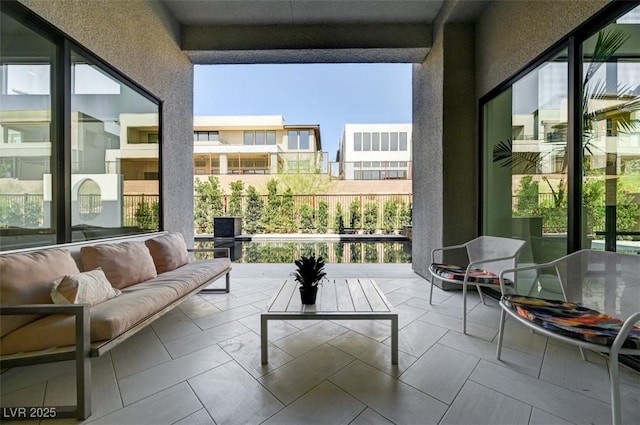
(225, 251)
(445, 248)
(550, 264)
(624, 332)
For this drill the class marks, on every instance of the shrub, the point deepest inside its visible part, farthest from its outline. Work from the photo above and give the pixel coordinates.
(287, 216)
(323, 216)
(208, 203)
(235, 200)
(306, 218)
(390, 216)
(271, 214)
(354, 214)
(339, 220)
(253, 212)
(147, 215)
(370, 217)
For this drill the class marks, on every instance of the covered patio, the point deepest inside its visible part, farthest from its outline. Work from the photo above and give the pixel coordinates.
(201, 364)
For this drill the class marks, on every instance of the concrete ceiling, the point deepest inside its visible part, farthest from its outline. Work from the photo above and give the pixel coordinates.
(283, 31)
(293, 12)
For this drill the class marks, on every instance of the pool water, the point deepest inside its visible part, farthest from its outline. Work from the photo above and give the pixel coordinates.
(332, 252)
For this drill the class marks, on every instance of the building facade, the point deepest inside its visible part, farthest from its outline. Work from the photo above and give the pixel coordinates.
(255, 145)
(375, 152)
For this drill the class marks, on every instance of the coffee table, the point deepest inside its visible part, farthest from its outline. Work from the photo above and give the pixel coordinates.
(338, 299)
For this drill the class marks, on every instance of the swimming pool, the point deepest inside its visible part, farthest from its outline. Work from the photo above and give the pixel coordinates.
(332, 251)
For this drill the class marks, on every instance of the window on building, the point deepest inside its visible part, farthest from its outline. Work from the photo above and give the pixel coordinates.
(375, 141)
(206, 136)
(271, 137)
(385, 142)
(357, 141)
(248, 137)
(293, 139)
(394, 142)
(303, 143)
(366, 141)
(259, 140)
(403, 141)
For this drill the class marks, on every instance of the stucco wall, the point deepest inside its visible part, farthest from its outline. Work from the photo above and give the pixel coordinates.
(512, 33)
(139, 39)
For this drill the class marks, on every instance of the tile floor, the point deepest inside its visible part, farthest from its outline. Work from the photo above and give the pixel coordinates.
(200, 364)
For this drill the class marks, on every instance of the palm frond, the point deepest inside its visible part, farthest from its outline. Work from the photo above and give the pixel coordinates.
(607, 44)
(505, 157)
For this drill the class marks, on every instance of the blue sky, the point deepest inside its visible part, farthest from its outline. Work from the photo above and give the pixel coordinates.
(331, 95)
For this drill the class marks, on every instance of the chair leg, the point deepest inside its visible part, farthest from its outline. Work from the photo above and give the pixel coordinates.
(503, 317)
(614, 376)
(431, 291)
(583, 354)
(481, 296)
(464, 308)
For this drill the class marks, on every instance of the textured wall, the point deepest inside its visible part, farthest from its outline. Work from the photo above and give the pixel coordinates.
(444, 145)
(139, 39)
(512, 33)
(427, 156)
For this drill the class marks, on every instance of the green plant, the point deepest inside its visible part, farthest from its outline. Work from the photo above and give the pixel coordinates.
(339, 219)
(309, 271)
(306, 218)
(354, 214)
(271, 214)
(253, 212)
(147, 215)
(370, 217)
(404, 216)
(323, 216)
(390, 217)
(235, 200)
(527, 197)
(208, 203)
(287, 222)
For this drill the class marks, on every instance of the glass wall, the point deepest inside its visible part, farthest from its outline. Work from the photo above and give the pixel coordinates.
(27, 210)
(525, 160)
(89, 173)
(611, 135)
(540, 166)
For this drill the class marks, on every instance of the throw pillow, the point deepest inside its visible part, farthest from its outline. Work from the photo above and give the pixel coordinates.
(25, 279)
(168, 252)
(83, 288)
(124, 264)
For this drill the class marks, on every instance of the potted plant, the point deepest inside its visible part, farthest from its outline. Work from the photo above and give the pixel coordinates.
(309, 273)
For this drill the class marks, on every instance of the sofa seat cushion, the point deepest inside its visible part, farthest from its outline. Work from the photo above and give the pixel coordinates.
(113, 317)
(25, 278)
(186, 278)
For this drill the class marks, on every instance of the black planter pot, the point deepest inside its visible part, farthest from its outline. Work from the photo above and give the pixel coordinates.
(308, 294)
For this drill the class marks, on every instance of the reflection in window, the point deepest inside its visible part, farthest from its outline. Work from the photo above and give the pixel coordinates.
(525, 149)
(114, 143)
(26, 208)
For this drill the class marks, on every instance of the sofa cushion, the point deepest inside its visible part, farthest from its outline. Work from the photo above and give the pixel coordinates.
(25, 278)
(124, 264)
(168, 252)
(83, 288)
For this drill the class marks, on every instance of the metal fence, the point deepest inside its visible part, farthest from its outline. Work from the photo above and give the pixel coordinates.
(26, 210)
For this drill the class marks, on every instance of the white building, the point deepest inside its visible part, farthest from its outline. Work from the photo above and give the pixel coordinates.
(375, 152)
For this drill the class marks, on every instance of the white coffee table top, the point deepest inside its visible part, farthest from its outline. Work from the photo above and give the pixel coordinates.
(335, 296)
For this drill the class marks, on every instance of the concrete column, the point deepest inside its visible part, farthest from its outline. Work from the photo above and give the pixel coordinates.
(273, 162)
(224, 164)
(444, 145)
